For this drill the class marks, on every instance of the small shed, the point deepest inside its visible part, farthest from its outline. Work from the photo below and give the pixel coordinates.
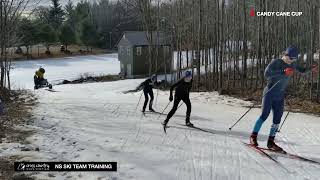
(133, 54)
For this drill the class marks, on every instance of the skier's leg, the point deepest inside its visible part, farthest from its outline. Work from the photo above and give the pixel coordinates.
(173, 110)
(146, 99)
(44, 82)
(266, 108)
(188, 113)
(277, 108)
(151, 100)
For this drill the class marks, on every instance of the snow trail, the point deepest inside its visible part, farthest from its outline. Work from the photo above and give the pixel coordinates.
(97, 122)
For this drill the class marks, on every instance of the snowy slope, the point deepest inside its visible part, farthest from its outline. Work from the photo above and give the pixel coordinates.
(96, 122)
(59, 69)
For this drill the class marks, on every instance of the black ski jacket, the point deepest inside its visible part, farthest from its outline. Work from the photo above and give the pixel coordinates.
(182, 88)
(147, 85)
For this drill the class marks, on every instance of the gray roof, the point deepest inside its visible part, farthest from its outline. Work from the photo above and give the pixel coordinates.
(139, 38)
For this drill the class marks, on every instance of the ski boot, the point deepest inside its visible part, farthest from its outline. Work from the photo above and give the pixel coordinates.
(273, 146)
(151, 110)
(253, 140)
(164, 124)
(50, 86)
(189, 124)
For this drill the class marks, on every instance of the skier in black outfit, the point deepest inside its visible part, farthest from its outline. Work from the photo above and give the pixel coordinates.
(147, 86)
(183, 88)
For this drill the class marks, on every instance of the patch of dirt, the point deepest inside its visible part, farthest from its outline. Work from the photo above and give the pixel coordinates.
(18, 105)
(55, 52)
(90, 79)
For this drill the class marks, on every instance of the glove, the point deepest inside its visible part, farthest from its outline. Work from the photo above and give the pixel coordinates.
(170, 98)
(288, 71)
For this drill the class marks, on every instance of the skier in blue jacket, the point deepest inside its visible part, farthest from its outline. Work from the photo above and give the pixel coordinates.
(278, 74)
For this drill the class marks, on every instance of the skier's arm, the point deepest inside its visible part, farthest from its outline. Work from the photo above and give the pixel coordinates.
(156, 84)
(302, 69)
(142, 85)
(190, 86)
(174, 85)
(273, 71)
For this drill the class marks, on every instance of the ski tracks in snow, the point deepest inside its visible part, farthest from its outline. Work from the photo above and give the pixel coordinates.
(105, 126)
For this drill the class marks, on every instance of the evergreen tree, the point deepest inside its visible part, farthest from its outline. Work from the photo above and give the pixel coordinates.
(89, 34)
(56, 14)
(47, 36)
(27, 33)
(70, 15)
(67, 35)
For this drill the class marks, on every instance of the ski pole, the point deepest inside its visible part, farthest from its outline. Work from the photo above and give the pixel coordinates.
(285, 118)
(284, 121)
(157, 98)
(252, 107)
(164, 109)
(139, 101)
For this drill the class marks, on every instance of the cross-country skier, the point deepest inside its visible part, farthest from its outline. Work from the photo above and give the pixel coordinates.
(39, 80)
(147, 86)
(278, 73)
(183, 88)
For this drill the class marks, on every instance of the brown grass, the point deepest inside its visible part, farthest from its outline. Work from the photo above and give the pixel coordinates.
(55, 52)
(297, 100)
(293, 102)
(17, 112)
(85, 78)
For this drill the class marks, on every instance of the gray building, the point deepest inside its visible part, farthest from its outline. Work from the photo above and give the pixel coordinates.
(133, 52)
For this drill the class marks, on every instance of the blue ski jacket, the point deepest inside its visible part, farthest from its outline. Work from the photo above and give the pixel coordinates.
(275, 72)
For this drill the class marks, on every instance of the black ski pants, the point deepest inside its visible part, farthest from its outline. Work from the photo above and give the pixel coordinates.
(176, 102)
(146, 99)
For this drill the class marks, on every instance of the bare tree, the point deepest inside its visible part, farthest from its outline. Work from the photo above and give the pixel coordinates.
(10, 11)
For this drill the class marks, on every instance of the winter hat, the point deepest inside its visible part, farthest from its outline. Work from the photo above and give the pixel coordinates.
(292, 52)
(154, 77)
(188, 74)
(42, 70)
